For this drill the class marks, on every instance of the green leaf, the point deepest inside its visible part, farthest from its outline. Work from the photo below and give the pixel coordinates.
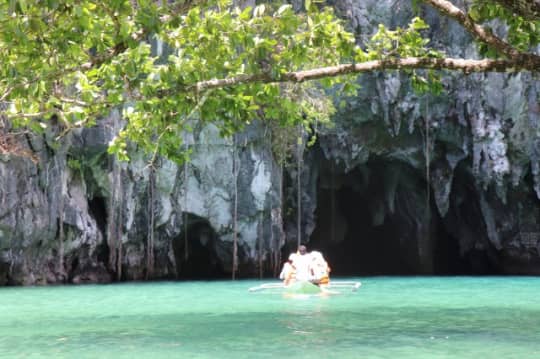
(419, 24)
(22, 5)
(283, 8)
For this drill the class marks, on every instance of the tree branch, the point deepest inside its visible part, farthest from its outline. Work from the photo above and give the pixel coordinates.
(465, 65)
(479, 32)
(528, 9)
(6, 93)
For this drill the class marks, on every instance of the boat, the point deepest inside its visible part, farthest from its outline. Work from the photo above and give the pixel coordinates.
(308, 288)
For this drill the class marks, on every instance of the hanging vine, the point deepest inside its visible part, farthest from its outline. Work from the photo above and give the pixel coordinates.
(112, 216)
(196, 110)
(61, 216)
(428, 159)
(278, 145)
(285, 145)
(279, 215)
(274, 255)
(428, 144)
(185, 219)
(260, 245)
(299, 168)
(111, 228)
(114, 220)
(120, 219)
(235, 210)
(333, 203)
(275, 213)
(151, 222)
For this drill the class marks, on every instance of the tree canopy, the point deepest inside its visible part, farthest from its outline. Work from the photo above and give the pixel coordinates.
(168, 63)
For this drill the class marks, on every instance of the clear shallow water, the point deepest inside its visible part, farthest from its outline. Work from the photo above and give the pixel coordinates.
(462, 317)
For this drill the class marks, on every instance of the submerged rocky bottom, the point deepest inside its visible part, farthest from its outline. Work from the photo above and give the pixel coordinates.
(388, 317)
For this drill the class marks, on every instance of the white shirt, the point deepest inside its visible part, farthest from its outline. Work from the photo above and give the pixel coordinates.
(301, 263)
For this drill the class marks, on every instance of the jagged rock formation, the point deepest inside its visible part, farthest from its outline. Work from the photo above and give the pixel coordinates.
(456, 173)
(132, 221)
(402, 184)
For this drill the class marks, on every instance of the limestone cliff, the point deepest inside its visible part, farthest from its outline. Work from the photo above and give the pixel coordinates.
(452, 173)
(402, 184)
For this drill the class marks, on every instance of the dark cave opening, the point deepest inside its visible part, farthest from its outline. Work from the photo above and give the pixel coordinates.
(98, 211)
(464, 222)
(74, 264)
(199, 239)
(373, 220)
(4, 272)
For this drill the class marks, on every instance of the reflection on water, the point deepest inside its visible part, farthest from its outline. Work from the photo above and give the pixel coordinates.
(387, 318)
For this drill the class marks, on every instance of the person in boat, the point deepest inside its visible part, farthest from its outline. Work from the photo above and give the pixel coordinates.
(319, 269)
(288, 273)
(301, 261)
(297, 267)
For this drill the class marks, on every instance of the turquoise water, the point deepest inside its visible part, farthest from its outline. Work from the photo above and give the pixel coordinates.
(462, 317)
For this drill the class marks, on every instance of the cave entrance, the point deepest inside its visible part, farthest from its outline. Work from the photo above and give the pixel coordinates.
(373, 221)
(98, 210)
(195, 250)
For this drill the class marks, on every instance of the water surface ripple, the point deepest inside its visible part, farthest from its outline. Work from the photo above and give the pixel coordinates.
(389, 317)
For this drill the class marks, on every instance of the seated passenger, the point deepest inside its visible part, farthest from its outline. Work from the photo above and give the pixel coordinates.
(319, 269)
(301, 261)
(288, 274)
(297, 267)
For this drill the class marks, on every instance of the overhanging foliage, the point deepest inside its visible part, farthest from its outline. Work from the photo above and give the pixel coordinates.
(72, 62)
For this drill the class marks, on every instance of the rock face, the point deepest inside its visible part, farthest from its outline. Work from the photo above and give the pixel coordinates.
(79, 216)
(401, 185)
(455, 175)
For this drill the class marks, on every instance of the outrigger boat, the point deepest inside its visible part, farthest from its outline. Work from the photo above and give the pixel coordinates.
(304, 287)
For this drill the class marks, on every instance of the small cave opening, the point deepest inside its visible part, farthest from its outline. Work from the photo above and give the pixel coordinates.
(98, 210)
(74, 264)
(4, 272)
(376, 220)
(195, 250)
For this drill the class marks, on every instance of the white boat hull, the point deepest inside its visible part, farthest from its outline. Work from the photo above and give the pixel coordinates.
(307, 287)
